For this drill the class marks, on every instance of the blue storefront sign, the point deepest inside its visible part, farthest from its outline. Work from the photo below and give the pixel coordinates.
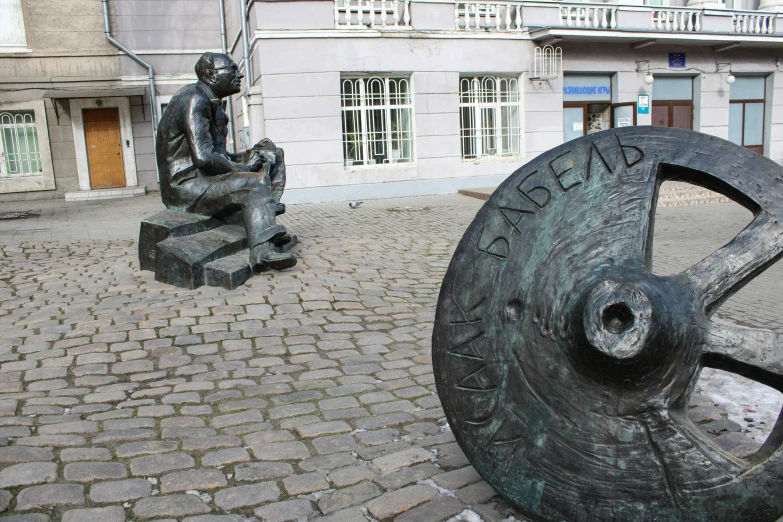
(587, 88)
(643, 104)
(677, 60)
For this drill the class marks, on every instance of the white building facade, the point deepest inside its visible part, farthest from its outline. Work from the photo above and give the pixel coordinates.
(378, 99)
(384, 98)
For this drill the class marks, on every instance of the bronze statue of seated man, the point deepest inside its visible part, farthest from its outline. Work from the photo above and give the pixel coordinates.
(198, 175)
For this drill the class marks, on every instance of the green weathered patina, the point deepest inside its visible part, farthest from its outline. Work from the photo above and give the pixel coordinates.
(565, 365)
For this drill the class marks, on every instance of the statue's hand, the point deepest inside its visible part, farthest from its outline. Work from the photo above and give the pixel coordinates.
(255, 162)
(258, 159)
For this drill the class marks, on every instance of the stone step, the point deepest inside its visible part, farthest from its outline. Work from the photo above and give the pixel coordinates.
(168, 224)
(229, 272)
(181, 260)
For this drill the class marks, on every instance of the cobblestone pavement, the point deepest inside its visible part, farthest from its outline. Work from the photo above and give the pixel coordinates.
(303, 395)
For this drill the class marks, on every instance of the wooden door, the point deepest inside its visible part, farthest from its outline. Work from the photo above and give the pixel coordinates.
(104, 148)
(682, 116)
(676, 114)
(660, 115)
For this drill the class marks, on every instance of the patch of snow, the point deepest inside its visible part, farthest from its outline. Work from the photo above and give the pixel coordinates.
(205, 497)
(443, 491)
(743, 399)
(466, 516)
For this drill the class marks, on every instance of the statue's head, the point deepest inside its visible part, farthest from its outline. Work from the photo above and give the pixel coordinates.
(220, 73)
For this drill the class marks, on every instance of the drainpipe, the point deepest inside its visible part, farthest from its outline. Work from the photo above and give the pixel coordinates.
(246, 53)
(118, 45)
(230, 100)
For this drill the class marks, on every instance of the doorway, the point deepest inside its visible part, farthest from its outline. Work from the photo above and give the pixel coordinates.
(581, 119)
(675, 114)
(104, 148)
(672, 102)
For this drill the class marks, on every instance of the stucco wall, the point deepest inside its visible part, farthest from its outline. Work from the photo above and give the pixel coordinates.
(300, 82)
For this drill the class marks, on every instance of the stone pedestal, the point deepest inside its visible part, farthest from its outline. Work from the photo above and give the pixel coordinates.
(189, 250)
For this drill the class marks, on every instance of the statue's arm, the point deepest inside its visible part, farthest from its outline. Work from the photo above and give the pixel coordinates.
(238, 157)
(202, 147)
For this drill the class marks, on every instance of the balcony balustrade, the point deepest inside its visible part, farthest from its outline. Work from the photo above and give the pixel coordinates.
(588, 16)
(516, 16)
(372, 14)
(753, 22)
(673, 20)
(488, 16)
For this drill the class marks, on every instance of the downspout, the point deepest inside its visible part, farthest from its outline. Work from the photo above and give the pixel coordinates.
(248, 65)
(131, 54)
(230, 99)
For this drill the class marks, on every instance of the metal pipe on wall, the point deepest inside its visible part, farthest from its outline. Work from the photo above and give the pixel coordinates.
(230, 100)
(132, 55)
(248, 64)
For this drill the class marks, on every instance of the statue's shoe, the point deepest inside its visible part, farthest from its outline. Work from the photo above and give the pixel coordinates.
(286, 243)
(262, 258)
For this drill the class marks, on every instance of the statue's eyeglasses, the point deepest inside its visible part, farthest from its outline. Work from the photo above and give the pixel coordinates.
(232, 68)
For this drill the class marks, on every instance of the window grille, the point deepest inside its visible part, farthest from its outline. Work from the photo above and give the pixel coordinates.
(489, 117)
(19, 151)
(377, 126)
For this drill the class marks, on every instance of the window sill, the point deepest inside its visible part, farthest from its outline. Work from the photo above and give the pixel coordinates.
(14, 50)
(492, 159)
(380, 166)
(43, 181)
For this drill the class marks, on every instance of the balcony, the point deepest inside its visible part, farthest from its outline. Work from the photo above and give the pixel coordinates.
(546, 20)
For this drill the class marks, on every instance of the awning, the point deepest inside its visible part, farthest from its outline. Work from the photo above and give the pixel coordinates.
(118, 92)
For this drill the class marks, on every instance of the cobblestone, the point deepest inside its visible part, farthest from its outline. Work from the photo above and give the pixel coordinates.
(170, 506)
(244, 496)
(157, 464)
(198, 479)
(50, 495)
(316, 381)
(307, 483)
(28, 474)
(395, 502)
(105, 514)
(120, 491)
(286, 511)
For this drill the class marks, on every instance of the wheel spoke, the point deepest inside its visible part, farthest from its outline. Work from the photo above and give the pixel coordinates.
(715, 278)
(687, 461)
(752, 353)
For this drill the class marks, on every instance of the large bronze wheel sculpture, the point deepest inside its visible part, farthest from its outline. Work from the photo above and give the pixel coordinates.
(565, 365)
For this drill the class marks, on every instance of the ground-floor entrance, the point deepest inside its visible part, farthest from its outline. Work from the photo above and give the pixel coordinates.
(104, 148)
(677, 114)
(672, 102)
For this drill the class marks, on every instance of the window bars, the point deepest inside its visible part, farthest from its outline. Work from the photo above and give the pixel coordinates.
(377, 114)
(19, 151)
(489, 117)
(547, 63)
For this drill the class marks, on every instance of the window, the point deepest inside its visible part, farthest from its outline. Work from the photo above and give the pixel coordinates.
(20, 154)
(11, 25)
(489, 117)
(25, 155)
(746, 113)
(377, 115)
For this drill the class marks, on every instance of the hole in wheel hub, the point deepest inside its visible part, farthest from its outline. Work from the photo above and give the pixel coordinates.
(617, 318)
